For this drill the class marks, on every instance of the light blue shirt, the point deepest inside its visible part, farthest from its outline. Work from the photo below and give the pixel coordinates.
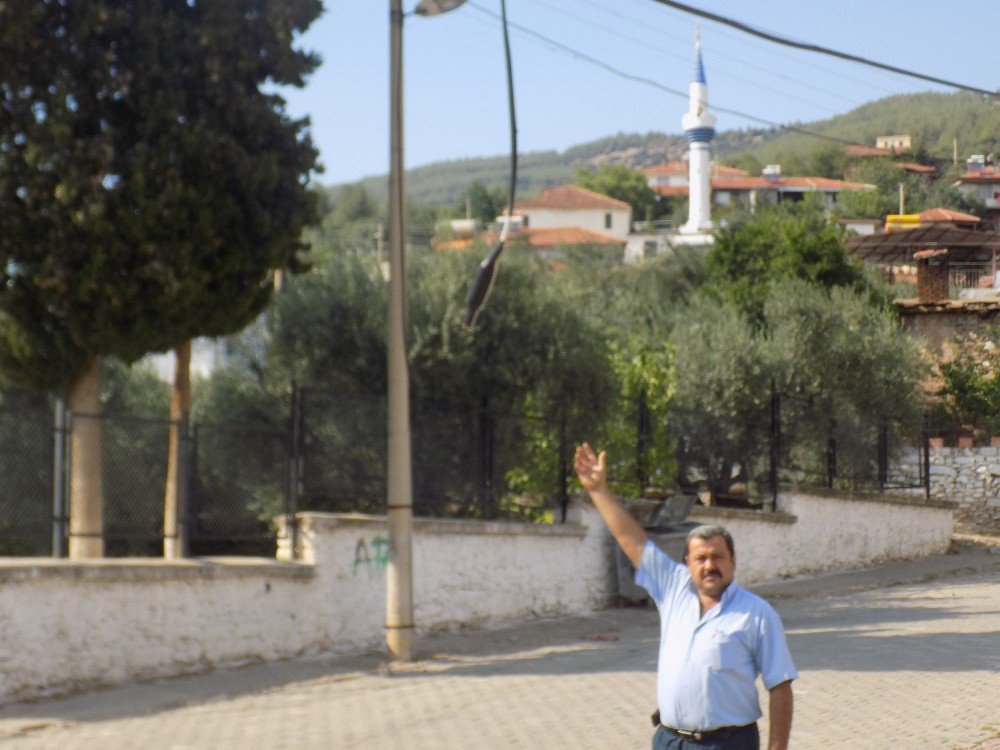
(708, 665)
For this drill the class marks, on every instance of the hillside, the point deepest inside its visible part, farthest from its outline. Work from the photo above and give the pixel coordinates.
(934, 120)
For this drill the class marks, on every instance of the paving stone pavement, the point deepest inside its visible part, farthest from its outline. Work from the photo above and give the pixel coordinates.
(903, 656)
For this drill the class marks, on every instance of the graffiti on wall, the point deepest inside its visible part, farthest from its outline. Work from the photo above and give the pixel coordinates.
(372, 557)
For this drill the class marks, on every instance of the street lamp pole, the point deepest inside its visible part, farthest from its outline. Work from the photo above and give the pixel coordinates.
(399, 479)
(399, 482)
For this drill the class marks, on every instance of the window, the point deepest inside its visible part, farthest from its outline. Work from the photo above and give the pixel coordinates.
(607, 221)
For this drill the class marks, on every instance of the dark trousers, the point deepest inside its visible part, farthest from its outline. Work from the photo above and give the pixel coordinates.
(747, 738)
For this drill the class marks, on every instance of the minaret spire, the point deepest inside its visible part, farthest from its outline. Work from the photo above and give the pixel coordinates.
(699, 128)
(699, 67)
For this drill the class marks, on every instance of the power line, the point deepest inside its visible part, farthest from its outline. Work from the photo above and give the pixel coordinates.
(777, 39)
(715, 53)
(560, 47)
(769, 49)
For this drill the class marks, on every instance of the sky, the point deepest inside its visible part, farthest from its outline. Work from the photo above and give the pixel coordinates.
(455, 86)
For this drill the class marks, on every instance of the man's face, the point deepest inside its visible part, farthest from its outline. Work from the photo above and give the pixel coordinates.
(711, 565)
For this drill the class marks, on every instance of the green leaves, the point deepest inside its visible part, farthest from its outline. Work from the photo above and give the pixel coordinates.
(622, 183)
(750, 256)
(971, 385)
(147, 187)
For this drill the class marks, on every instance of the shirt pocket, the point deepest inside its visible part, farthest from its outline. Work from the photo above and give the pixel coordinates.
(727, 651)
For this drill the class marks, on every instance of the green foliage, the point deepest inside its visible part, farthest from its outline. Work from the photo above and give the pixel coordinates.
(622, 183)
(719, 413)
(483, 203)
(148, 187)
(919, 192)
(529, 367)
(793, 241)
(635, 433)
(933, 119)
(830, 354)
(970, 387)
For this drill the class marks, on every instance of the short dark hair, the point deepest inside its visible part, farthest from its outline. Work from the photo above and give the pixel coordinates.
(707, 533)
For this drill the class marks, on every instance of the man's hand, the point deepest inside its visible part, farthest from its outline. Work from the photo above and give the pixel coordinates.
(592, 470)
(593, 473)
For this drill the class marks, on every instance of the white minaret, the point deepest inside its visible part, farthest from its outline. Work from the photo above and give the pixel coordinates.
(699, 127)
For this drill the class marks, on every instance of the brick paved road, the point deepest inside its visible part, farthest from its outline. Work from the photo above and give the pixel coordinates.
(907, 666)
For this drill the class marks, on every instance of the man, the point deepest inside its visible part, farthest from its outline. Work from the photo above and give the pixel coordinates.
(715, 637)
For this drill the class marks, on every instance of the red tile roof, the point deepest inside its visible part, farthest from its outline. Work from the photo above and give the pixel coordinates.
(681, 168)
(932, 215)
(553, 236)
(539, 238)
(788, 183)
(569, 197)
(985, 176)
(671, 190)
(916, 168)
(860, 150)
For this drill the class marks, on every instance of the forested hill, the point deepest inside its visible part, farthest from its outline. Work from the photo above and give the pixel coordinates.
(934, 121)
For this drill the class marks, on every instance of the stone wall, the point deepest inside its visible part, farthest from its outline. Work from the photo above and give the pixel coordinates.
(968, 477)
(938, 324)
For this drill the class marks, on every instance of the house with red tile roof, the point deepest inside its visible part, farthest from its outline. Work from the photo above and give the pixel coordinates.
(982, 182)
(731, 185)
(949, 216)
(547, 242)
(574, 206)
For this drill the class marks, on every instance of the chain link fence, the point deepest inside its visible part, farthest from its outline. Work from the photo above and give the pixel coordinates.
(468, 462)
(462, 457)
(26, 470)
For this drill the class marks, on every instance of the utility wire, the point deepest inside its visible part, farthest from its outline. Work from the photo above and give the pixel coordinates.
(713, 52)
(777, 39)
(560, 47)
(769, 48)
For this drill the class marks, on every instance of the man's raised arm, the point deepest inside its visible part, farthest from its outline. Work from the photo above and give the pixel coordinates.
(593, 473)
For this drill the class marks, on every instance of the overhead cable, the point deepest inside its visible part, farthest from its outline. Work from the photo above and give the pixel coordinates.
(559, 46)
(777, 39)
(723, 72)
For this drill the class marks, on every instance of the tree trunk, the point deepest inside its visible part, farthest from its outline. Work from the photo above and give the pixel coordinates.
(86, 499)
(174, 531)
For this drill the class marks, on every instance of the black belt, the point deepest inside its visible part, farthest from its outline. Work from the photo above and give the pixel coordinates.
(721, 733)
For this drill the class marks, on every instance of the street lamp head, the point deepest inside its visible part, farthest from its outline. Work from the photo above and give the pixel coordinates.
(436, 7)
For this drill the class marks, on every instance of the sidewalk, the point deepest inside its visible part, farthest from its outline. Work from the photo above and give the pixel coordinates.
(905, 655)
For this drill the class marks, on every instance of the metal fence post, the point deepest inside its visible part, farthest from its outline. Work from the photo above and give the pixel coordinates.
(883, 453)
(294, 473)
(485, 461)
(563, 469)
(59, 467)
(925, 440)
(775, 444)
(831, 456)
(642, 440)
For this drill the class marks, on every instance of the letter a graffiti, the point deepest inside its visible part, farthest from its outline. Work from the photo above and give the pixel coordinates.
(361, 557)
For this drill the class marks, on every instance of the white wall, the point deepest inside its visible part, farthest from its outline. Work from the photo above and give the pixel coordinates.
(592, 219)
(818, 531)
(66, 625)
(69, 625)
